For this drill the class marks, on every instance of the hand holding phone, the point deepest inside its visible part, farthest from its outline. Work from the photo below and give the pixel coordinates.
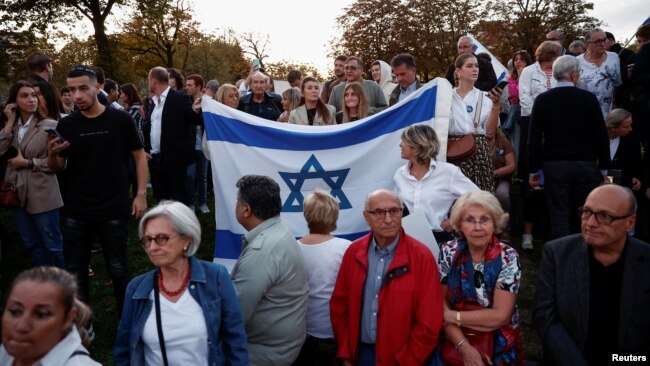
(55, 133)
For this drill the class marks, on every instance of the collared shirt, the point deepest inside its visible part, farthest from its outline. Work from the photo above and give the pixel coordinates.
(409, 90)
(60, 355)
(434, 193)
(378, 262)
(156, 120)
(23, 127)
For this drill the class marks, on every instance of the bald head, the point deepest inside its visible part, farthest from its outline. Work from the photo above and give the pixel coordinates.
(382, 194)
(619, 197)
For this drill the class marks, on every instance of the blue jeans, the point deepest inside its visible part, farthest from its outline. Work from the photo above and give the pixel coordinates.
(80, 235)
(197, 179)
(41, 236)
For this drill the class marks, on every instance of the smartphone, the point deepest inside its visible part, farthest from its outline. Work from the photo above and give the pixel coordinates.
(55, 133)
(502, 84)
(256, 64)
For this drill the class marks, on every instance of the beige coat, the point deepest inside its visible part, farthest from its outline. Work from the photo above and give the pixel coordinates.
(38, 188)
(299, 116)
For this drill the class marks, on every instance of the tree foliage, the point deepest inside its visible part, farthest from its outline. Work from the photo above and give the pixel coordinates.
(279, 70)
(162, 28)
(39, 15)
(523, 24)
(216, 57)
(255, 45)
(430, 29)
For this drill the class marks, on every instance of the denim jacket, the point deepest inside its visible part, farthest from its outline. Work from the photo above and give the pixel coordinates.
(211, 287)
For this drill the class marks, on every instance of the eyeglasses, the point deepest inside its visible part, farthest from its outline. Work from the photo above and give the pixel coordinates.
(160, 239)
(602, 217)
(394, 213)
(483, 221)
(552, 39)
(598, 41)
(350, 68)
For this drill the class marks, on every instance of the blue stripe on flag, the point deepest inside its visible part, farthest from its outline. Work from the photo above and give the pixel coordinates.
(228, 244)
(221, 128)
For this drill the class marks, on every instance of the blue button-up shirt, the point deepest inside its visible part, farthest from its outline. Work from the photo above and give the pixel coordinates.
(378, 262)
(405, 93)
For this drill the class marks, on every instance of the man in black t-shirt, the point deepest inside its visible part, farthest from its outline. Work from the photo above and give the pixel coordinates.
(94, 148)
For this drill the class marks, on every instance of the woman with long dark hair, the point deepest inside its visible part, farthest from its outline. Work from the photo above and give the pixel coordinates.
(312, 111)
(130, 97)
(24, 141)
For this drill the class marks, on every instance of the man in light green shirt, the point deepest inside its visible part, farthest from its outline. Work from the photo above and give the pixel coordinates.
(269, 276)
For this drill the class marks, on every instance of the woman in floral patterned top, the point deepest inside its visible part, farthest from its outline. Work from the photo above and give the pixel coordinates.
(478, 269)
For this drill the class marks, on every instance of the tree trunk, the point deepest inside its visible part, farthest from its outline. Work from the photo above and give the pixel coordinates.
(104, 58)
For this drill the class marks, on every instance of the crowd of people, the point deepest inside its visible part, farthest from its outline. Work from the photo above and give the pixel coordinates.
(568, 129)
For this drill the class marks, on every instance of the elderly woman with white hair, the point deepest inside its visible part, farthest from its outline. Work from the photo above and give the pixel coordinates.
(624, 150)
(197, 319)
(480, 280)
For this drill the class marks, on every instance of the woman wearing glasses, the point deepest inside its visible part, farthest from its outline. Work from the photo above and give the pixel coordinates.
(184, 312)
(424, 184)
(480, 280)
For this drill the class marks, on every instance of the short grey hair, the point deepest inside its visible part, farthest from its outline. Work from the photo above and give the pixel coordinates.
(589, 33)
(577, 43)
(564, 67)
(465, 38)
(182, 219)
(615, 117)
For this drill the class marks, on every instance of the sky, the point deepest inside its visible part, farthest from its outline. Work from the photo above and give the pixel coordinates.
(301, 30)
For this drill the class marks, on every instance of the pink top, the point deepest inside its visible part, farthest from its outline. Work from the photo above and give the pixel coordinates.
(513, 91)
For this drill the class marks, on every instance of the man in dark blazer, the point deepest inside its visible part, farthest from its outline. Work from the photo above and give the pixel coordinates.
(568, 147)
(487, 79)
(168, 136)
(592, 299)
(404, 69)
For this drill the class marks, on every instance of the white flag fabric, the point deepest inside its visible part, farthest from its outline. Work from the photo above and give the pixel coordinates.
(348, 160)
(499, 70)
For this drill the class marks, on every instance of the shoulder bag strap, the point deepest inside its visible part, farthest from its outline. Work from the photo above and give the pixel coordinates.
(161, 339)
(479, 106)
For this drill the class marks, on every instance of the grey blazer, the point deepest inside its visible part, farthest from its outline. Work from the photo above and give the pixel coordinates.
(38, 188)
(561, 313)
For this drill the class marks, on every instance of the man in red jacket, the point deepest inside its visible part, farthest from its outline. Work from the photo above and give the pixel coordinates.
(386, 308)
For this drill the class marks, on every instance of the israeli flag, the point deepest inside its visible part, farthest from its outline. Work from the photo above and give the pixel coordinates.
(499, 70)
(348, 160)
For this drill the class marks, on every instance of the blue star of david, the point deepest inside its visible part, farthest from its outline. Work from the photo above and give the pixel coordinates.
(314, 170)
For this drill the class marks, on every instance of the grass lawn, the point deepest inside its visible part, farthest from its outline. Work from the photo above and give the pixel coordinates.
(15, 259)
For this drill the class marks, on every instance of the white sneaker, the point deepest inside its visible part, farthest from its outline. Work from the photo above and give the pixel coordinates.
(527, 242)
(204, 209)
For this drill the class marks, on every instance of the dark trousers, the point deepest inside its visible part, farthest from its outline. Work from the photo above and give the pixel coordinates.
(567, 185)
(317, 352)
(167, 183)
(79, 235)
(366, 354)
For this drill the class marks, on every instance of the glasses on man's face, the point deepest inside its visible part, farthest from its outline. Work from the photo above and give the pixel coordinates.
(483, 221)
(350, 68)
(160, 239)
(394, 213)
(602, 217)
(598, 41)
(553, 39)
